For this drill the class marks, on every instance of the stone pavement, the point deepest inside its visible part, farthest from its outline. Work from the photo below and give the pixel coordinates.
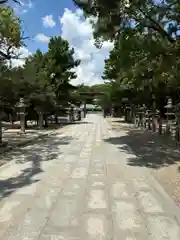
(76, 185)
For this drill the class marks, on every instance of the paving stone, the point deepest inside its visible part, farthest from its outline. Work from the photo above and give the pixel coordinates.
(74, 187)
(79, 172)
(149, 202)
(163, 227)
(119, 190)
(66, 212)
(126, 215)
(97, 226)
(97, 199)
(87, 191)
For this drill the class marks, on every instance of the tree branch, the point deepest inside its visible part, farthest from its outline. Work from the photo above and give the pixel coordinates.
(156, 26)
(5, 1)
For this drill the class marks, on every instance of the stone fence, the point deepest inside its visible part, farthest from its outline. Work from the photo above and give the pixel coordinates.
(150, 120)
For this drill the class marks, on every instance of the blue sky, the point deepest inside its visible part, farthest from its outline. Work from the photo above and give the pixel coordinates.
(32, 19)
(42, 19)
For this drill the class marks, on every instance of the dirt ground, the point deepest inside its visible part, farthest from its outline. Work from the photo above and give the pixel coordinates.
(160, 155)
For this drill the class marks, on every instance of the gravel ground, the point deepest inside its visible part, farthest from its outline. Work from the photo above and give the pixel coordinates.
(169, 177)
(163, 156)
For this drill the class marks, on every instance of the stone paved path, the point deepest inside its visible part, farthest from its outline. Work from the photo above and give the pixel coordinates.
(77, 186)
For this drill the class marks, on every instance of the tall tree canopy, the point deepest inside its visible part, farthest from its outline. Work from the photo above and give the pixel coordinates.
(144, 64)
(44, 80)
(10, 38)
(115, 17)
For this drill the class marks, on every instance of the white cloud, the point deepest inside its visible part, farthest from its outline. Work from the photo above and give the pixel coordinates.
(79, 33)
(23, 53)
(42, 38)
(48, 21)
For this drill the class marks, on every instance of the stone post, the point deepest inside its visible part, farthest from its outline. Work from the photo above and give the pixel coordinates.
(148, 117)
(40, 117)
(0, 132)
(141, 114)
(160, 125)
(154, 115)
(169, 115)
(79, 114)
(177, 114)
(21, 108)
(84, 109)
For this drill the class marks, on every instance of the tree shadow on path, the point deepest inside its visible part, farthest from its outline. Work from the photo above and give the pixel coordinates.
(150, 150)
(46, 149)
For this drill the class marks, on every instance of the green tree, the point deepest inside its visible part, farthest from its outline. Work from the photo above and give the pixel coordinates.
(10, 34)
(114, 17)
(61, 68)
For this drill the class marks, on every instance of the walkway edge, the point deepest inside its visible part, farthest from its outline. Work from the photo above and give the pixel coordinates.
(157, 186)
(160, 189)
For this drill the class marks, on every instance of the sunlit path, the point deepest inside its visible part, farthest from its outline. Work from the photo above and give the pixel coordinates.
(78, 185)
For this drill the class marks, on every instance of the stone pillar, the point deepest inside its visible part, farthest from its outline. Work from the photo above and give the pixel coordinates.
(169, 115)
(141, 115)
(160, 125)
(154, 114)
(84, 109)
(79, 114)
(21, 108)
(173, 130)
(0, 132)
(177, 114)
(41, 119)
(22, 122)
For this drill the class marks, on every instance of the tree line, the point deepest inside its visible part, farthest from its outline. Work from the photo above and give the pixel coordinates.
(144, 65)
(44, 79)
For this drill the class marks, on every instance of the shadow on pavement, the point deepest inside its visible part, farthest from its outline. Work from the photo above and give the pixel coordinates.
(150, 149)
(50, 126)
(84, 122)
(46, 149)
(119, 121)
(10, 185)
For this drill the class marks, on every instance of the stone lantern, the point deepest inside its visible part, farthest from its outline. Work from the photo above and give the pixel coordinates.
(154, 114)
(141, 114)
(125, 110)
(71, 113)
(148, 119)
(177, 115)
(1, 115)
(21, 111)
(169, 114)
(128, 113)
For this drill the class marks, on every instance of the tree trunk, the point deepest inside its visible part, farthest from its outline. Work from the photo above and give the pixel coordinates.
(40, 120)
(22, 123)
(11, 118)
(56, 119)
(45, 121)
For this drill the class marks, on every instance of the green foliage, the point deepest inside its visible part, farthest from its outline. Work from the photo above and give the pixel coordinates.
(10, 33)
(44, 80)
(145, 61)
(115, 17)
(60, 64)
